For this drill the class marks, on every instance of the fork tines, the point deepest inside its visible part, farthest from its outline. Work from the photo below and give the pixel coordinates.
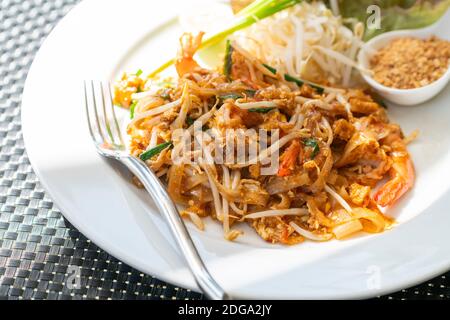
(102, 120)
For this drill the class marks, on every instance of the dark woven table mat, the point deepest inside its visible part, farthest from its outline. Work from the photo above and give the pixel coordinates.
(40, 252)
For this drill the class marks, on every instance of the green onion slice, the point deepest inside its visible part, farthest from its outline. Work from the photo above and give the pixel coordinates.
(189, 121)
(298, 81)
(301, 82)
(271, 69)
(154, 151)
(233, 96)
(132, 107)
(312, 143)
(228, 60)
(250, 92)
(260, 110)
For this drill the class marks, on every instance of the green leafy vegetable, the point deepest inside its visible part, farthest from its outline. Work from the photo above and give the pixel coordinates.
(233, 96)
(132, 107)
(301, 82)
(298, 81)
(260, 110)
(292, 79)
(254, 12)
(271, 69)
(154, 151)
(381, 102)
(312, 143)
(228, 60)
(165, 94)
(251, 93)
(395, 14)
(138, 73)
(189, 121)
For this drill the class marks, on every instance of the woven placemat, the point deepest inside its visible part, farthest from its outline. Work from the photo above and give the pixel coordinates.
(41, 255)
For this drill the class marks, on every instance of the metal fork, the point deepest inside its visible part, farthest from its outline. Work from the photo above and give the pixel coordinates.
(106, 134)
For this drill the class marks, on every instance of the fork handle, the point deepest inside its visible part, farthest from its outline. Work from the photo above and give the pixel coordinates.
(176, 225)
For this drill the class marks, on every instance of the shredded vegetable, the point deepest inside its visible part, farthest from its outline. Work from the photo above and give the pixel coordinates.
(306, 41)
(256, 11)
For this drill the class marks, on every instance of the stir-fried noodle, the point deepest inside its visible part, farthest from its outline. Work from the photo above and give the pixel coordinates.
(331, 147)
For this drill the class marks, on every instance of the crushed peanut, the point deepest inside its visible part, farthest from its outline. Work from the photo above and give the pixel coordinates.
(408, 63)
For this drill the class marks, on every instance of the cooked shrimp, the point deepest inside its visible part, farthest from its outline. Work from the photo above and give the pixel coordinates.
(401, 173)
(328, 162)
(189, 44)
(289, 158)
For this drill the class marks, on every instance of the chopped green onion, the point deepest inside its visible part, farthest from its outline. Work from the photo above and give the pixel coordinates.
(254, 12)
(228, 60)
(233, 96)
(292, 79)
(154, 151)
(260, 110)
(250, 92)
(380, 102)
(312, 143)
(189, 121)
(298, 81)
(165, 94)
(132, 107)
(138, 73)
(271, 69)
(301, 82)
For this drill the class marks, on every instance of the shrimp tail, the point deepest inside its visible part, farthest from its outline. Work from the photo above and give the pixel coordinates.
(402, 173)
(189, 45)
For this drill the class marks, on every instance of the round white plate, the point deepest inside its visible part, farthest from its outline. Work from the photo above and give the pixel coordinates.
(100, 38)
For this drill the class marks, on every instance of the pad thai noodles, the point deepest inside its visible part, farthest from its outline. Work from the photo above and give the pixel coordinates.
(339, 159)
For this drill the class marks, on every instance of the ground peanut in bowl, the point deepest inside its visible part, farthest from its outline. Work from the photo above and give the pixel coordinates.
(408, 63)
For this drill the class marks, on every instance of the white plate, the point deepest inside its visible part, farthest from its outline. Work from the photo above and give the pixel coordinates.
(97, 40)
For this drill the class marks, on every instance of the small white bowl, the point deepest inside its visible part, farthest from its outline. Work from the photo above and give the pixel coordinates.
(405, 97)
